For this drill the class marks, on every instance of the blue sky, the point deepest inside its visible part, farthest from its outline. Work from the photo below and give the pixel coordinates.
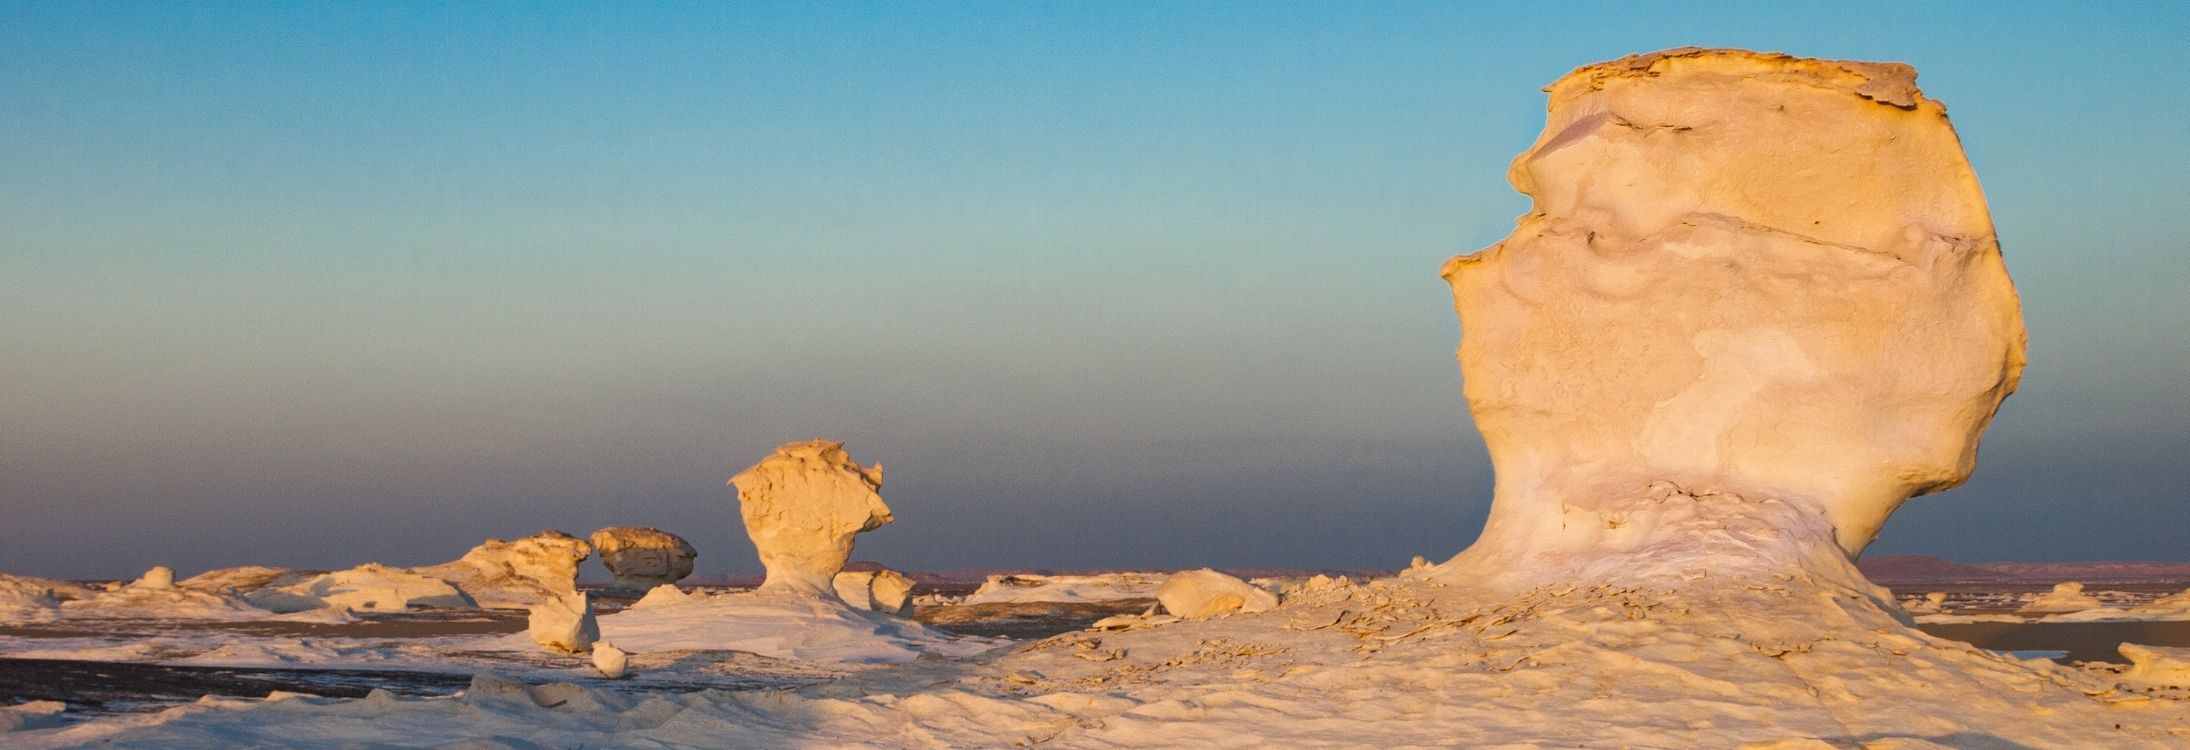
(1101, 284)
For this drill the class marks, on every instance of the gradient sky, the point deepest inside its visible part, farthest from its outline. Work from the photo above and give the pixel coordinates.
(1101, 284)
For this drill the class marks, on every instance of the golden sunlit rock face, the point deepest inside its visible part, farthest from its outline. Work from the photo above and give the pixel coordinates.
(1747, 280)
(643, 558)
(802, 506)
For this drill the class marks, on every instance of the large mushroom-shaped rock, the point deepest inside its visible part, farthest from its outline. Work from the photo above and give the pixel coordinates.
(517, 573)
(1758, 296)
(802, 506)
(642, 558)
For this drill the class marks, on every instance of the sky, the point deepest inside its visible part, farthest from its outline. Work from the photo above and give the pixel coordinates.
(1100, 284)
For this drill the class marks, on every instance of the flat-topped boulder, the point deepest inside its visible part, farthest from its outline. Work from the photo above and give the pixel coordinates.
(642, 558)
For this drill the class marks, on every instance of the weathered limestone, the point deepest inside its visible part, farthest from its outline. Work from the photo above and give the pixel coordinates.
(2156, 666)
(643, 558)
(2065, 597)
(517, 573)
(24, 599)
(368, 587)
(159, 578)
(1192, 594)
(1754, 290)
(662, 596)
(802, 506)
(886, 591)
(609, 659)
(564, 624)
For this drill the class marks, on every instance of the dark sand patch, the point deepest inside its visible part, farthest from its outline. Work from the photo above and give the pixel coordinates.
(109, 687)
(1025, 620)
(2084, 641)
(417, 624)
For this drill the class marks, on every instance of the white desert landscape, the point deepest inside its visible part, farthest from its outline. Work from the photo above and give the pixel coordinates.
(1756, 305)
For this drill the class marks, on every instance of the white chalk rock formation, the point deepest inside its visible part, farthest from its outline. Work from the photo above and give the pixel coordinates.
(802, 506)
(62, 590)
(26, 600)
(886, 591)
(32, 715)
(2156, 666)
(365, 588)
(564, 624)
(245, 579)
(155, 596)
(1194, 594)
(2065, 597)
(642, 558)
(781, 623)
(2171, 607)
(497, 574)
(1747, 279)
(662, 596)
(1027, 587)
(1933, 603)
(519, 573)
(159, 578)
(609, 659)
(1699, 591)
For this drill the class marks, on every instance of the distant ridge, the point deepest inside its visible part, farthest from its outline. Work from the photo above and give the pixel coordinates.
(1928, 569)
(2095, 572)
(978, 575)
(1884, 569)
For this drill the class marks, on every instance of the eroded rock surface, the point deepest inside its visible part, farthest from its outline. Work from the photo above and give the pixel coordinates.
(1746, 277)
(564, 624)
(642, 558)
(884, 590)
(802, 506)
(366, 588)
(1194, 594)
(517, 573)
(2065, 597)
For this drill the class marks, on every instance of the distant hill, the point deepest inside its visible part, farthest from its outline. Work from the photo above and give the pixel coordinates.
(977, 575)
(2095, 572)
(1887, 569)
(1883, 569)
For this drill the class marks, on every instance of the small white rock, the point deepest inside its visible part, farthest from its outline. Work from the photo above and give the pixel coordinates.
(609, 659)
